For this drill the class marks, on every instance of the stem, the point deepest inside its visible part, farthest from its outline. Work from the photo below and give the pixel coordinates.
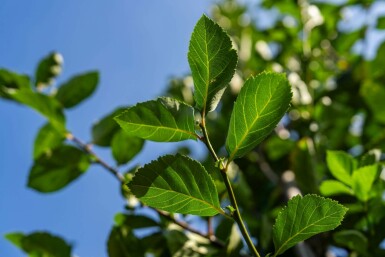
(236, 214)
(97, 159)
(86, 148)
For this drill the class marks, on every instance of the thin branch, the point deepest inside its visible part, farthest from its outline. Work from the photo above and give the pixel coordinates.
(97, 159)
(215, 241)
(85, 147)
(236, 214)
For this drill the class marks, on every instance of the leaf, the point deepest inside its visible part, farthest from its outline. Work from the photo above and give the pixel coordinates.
(54, 171)
(125, 147)
(77, 89)
(381, 23)
(341, 165)
(134, 221)
(373, 94)
(123, 243)
(303, 166)
(48, 68)
(362, 181)
(176, 184)
(162, 120)
(45, 105)
(12, 81)
(334, 187)
(104, 130)
(261, 104)
(46, 140)
(40, 244)
(15, 238)
(353, 240)
(305, 217)
(212, 61)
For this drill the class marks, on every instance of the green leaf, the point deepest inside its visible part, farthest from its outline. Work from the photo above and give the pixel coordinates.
(125, 147)
(261, 104)
(341, 165)
(305, 217)
(77, 89)
(123, 243)
(362, 181)
(104, 130)
(40, 244)
(48, 68)
(212, 61)
(134, 221)
(45, 105)
(176, 184)
(15, 238)
(373, 94)
(162, 120)
(381, 23)
(46, 140)
(54, 171)
(334, 187)
(303, 165)
(353, 240)
(12, 81)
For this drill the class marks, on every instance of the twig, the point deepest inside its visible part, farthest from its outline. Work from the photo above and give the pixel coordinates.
(85, 147)
(215, 241)
(223, 168)
(97, 159)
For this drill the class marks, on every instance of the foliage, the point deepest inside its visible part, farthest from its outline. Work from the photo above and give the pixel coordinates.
(307, 120)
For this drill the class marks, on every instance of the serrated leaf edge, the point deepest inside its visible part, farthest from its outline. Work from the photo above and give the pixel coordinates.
(190, 159)
(191, 135)
(302, 197)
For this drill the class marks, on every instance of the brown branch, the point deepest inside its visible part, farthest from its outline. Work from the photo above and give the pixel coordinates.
(85, 147)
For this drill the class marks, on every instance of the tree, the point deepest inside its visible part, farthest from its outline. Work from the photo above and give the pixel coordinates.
(329, 143)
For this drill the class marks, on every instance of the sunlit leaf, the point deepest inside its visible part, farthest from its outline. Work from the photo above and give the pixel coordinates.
(176, 184)
(362, 181)
(77, 89)
(55, 170)
(163, 120)
(341, 165)
(260, 105)
(334, 187)
(212, 61)
(305, 217)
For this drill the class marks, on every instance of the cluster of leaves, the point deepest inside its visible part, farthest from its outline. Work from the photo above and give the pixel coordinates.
(260, 168)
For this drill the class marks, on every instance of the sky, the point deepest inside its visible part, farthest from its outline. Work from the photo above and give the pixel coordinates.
(136, 46)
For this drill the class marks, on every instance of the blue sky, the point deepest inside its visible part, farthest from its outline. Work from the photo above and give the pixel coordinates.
(136, 46)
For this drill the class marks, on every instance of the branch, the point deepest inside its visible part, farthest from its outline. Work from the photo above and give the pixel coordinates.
(86, 148)
(223, 168)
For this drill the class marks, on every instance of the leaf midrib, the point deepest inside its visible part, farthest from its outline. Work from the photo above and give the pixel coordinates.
(248, 128)
(162, 127)
(190, 196)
